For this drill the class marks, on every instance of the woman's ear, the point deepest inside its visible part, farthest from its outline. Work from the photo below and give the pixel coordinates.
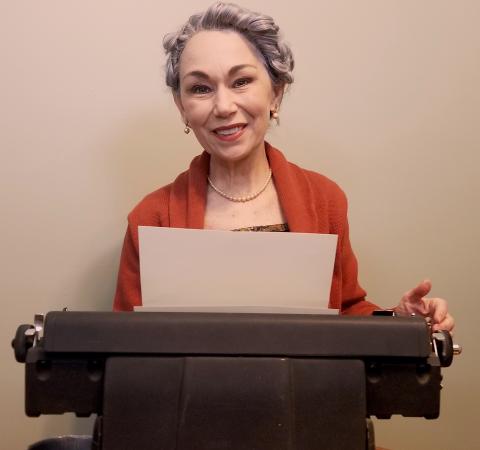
(178, 102)
(278, 91)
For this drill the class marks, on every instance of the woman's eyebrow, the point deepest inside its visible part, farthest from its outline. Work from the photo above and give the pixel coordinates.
(232, 71)
(239, 67)
(196, 73)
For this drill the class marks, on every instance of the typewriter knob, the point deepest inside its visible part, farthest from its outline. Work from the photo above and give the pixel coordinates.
(24, 338)
(443, 347)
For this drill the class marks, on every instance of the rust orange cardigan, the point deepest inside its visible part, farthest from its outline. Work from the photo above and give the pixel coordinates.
(311, 203)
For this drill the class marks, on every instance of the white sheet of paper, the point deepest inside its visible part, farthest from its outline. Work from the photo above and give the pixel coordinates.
(212, 270)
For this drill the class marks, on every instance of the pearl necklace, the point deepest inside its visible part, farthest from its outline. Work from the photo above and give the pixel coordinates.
(247, 198)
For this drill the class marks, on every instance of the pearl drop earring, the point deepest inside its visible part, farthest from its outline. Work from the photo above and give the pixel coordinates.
(274, 115)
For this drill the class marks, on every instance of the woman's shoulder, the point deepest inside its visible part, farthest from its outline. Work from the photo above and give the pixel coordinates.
(324, 192)
(309, 179)
(320, 187)
(319, 180)
(151, 209)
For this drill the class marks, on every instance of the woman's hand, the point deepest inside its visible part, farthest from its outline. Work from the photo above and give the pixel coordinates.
(414, 301)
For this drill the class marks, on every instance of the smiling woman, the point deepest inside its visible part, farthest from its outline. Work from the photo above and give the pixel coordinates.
(227, 97)
(228, 68)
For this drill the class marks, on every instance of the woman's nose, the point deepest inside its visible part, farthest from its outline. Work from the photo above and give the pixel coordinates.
(224, 102)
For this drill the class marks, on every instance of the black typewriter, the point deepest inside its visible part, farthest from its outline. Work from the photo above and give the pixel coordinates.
(198, 381)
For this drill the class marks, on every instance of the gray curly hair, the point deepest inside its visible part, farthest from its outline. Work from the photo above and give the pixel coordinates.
(259, 29)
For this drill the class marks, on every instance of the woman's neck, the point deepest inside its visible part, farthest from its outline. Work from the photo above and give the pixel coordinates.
(242, 177)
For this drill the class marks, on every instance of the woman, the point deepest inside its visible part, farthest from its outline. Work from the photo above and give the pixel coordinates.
(228, 69)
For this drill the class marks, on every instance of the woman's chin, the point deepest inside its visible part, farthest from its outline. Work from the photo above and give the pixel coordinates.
(234, 153)
(231, 156)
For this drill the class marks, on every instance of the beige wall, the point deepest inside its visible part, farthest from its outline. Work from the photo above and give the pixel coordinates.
(386, 102)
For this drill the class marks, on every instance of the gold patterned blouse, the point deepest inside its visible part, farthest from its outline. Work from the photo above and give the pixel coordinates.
(275, 227)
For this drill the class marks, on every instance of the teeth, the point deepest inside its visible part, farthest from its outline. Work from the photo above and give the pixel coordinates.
(229, 131)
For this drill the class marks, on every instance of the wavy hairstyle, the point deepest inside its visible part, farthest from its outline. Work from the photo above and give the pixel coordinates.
(259, 29)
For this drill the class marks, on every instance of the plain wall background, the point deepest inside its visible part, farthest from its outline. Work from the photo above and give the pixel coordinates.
(386, 102)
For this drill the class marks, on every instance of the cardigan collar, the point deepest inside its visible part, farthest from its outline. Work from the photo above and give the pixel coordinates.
(189, 192)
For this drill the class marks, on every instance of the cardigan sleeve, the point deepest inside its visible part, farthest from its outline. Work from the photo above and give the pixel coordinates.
(353, 300)
(151, 211)
(346, 293)
(128, 292)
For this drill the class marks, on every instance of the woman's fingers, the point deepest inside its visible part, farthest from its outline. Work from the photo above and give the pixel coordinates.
(437, 309)
(447, 324)
(415, 301)
(418, 292)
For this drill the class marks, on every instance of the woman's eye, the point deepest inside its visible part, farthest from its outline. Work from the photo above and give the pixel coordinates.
(199, 89)
(242, 82)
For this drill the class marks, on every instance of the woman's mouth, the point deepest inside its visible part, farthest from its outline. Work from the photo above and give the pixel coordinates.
(230, 133)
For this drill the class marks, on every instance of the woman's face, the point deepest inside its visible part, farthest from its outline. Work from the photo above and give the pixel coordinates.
(226, 94)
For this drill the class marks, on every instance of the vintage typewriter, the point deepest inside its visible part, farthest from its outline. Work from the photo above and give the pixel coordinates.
(198, 381)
